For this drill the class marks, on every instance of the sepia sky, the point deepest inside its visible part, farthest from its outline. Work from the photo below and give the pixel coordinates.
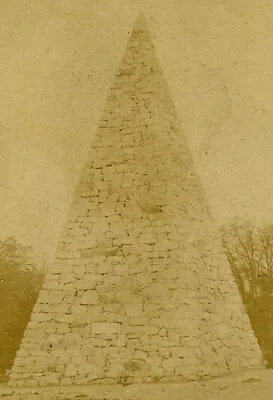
(58, 60)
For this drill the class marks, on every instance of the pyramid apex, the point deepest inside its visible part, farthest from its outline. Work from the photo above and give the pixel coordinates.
(140, 22)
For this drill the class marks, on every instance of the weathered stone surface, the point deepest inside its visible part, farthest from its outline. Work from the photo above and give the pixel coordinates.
(251, 385)
(101, 327)
(139, 290)
(89, 297)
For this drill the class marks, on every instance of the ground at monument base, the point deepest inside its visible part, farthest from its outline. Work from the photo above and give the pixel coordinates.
(250, 385)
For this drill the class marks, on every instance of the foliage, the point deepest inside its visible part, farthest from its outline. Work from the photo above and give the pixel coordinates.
(249, 250)
(20, 282)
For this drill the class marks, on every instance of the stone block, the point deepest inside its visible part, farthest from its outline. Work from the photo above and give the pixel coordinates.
(157, 289)
(65, 318)
(105, 327)
(79, 310)
(84, 284)
(56, 296)
(43, 296)
(96, 252)
(98, 342)
(51, 378)
(133, 310)
(120, 341)
(22, 353)
(171, 363)
(51, 285)
(139, 321)
(89, 297)
(71, 370)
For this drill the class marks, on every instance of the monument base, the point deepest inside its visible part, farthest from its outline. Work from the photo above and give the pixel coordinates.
(255, 384)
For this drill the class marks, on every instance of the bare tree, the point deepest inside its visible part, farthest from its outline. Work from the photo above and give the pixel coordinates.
(249, 250)
(20, 281)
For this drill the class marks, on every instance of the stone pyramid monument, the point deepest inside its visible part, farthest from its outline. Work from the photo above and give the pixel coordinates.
(139, 290)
